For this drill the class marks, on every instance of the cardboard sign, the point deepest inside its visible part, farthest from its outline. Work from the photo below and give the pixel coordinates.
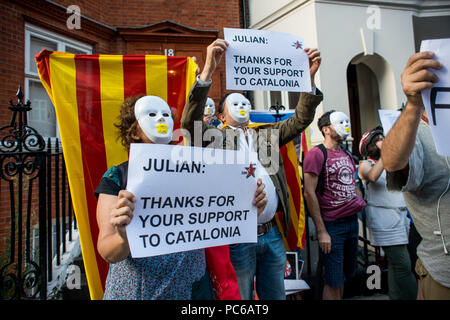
(266, 60)
(186, 201)
(437, 99)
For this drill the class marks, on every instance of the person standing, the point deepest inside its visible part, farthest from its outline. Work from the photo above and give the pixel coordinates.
(174, 276)
(423, 176)
(386, 217)
(265, 259)
(333, 202)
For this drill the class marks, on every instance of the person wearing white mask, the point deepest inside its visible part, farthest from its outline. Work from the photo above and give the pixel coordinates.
(333, 202)
(176, 276)
(265, 259)
(210, 110)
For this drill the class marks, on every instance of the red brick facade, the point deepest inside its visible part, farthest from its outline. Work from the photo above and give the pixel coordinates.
(110, 27)
(101, 23)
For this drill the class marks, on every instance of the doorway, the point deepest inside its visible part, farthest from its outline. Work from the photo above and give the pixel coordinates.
(363, 97)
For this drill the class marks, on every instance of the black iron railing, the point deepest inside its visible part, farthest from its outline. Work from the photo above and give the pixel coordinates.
(40, 217)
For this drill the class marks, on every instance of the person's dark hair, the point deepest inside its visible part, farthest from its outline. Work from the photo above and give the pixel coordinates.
(127, 122)
(324, 120)
(372, 150)
(221, 106)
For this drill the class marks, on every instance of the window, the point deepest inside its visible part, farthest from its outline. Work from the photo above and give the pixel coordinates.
(284, 98)
(42, 116)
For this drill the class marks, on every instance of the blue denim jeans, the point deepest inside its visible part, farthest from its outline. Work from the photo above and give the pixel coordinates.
(266, 260)
(341, 263)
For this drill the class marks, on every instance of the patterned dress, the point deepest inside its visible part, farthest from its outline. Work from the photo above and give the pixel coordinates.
(170, 277)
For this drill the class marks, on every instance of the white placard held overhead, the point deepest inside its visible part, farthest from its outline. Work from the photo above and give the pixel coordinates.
(388, 118)
(437, 99)
(187, 199)
(266, 60)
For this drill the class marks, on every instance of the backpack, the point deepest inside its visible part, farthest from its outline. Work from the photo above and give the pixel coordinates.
(321, 181)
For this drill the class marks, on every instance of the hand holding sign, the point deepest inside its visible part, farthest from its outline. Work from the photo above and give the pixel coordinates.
(214, 54)
(436, 98)
(267, 60)
(171, 217)
(314, 62)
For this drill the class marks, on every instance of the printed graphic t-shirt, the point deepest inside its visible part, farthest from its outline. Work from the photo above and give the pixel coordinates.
(339, 198)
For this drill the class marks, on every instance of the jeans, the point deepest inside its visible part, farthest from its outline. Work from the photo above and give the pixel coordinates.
(401, 280)
(340, 264)
(266, 260)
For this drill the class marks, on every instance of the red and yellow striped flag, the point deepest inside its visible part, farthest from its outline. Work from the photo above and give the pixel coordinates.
(87, 92)
(296, 235)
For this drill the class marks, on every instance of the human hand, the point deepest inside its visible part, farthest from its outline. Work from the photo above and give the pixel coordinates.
(122, 213)
(214, 53)
(416, 76)
(314, 62)
(379, 143)
(324, 241)
(207, 119)
(260, 199)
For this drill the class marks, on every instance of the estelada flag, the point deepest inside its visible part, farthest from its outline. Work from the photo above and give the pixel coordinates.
(87, 92)
(296, 235)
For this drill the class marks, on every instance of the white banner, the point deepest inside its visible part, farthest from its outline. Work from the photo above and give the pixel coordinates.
(437, 99)
(187, 201)
(266, 60)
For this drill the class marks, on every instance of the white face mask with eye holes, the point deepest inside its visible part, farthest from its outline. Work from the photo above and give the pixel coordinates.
(341, 123)
(210, 108)
(238, 107)
(155, 119)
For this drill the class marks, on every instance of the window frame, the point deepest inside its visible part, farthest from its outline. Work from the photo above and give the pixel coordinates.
(61, 43)
(284, 99)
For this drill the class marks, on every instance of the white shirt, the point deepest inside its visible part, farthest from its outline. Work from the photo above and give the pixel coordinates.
(260, 172)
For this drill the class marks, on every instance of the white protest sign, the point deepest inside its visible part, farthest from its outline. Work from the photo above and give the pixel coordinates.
(185, 202)
(437, 99)
(388, 118)
(266, 60)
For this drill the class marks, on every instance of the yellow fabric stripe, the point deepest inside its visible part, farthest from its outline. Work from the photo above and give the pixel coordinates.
(280, 227)
(112, 96)
(191, 68)
(156, 75)
(308, 137)
(297, 218)
(63, 84)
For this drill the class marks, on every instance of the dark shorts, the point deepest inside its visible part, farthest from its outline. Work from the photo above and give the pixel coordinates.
(340, 264)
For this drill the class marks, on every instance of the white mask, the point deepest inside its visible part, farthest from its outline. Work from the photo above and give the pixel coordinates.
(210, 108)
(341, 123)
(238, 107)
(155, 119)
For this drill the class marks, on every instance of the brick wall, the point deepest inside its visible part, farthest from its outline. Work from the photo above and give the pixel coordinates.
(101, 34)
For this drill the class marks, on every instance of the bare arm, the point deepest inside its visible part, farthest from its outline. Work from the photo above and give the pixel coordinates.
(114, 213)
(369, 173)
(324, 238)
(400, 140)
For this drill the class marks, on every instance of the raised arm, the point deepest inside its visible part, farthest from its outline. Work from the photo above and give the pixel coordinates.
(400, 140)
(369, 173)
(195, 104)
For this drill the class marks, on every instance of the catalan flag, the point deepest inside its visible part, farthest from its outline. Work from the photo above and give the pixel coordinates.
(296, 235)
(87, 92)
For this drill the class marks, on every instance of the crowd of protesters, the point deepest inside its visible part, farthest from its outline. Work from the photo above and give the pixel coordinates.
(402, 173)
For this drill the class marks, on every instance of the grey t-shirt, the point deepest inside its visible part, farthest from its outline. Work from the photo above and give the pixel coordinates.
(427, 179)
